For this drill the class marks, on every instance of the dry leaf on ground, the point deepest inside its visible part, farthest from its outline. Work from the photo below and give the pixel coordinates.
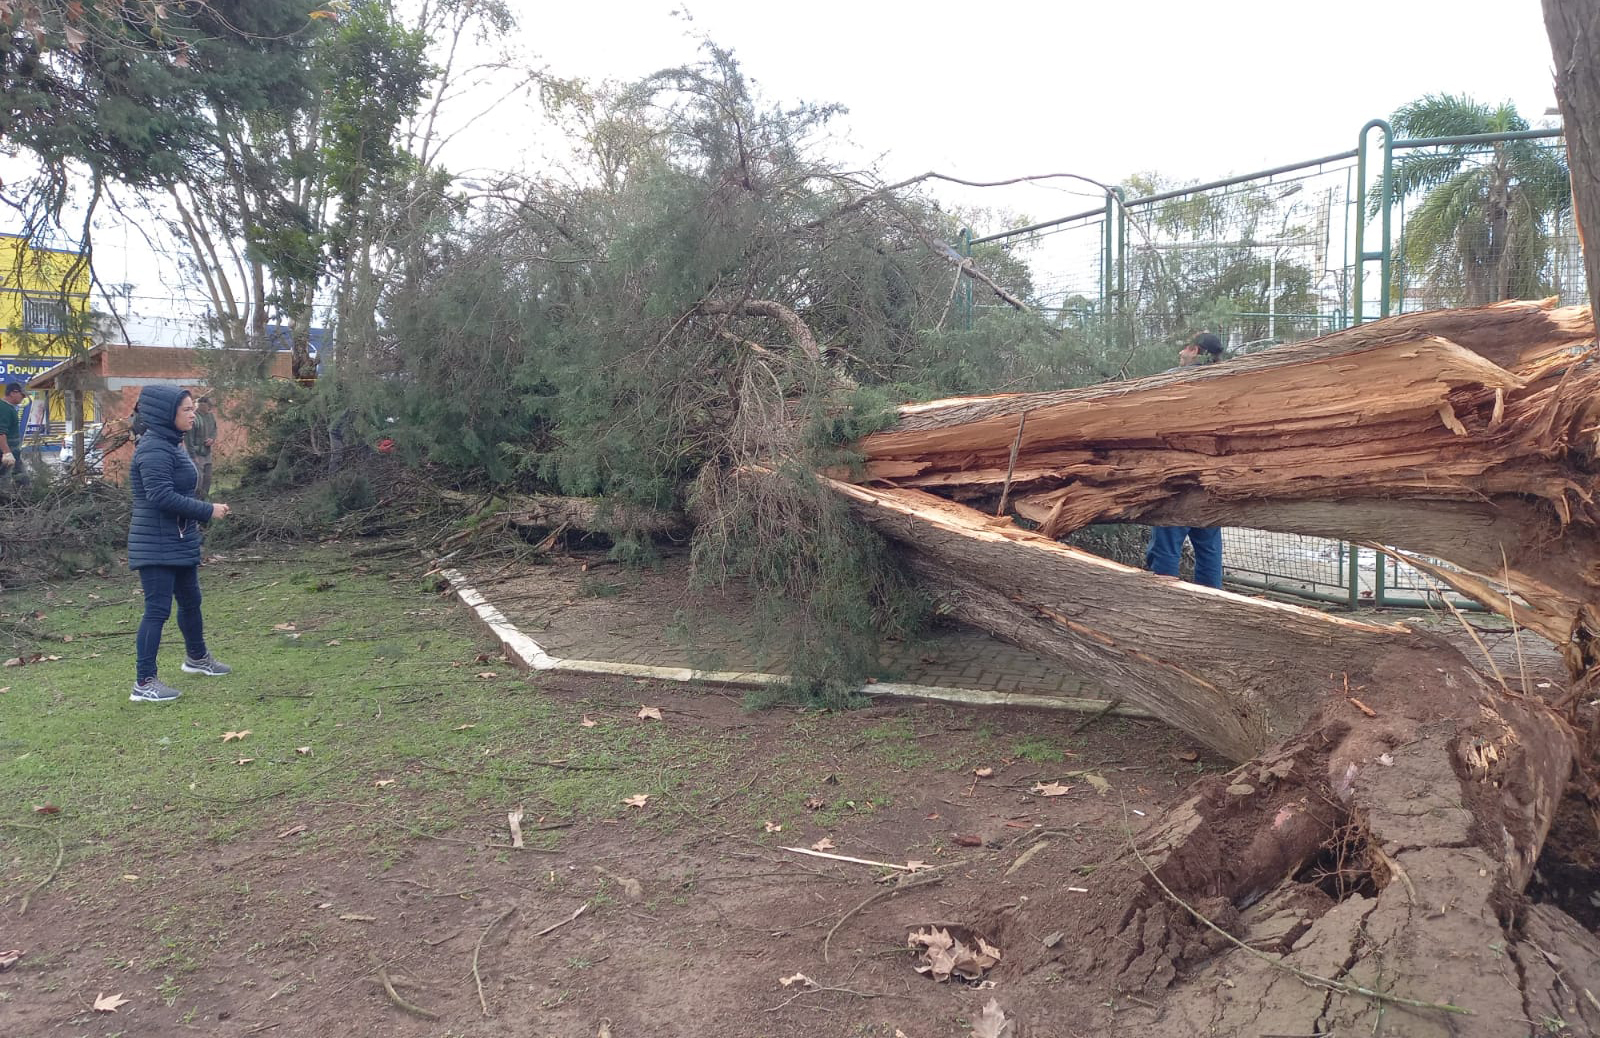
(463, 727)
(9, 959)
(293, 830)
(333, 642)
(587, 723)
(799, 978)
(302, 750)
(992, 1022)
(380, 783)
(823, 844)
(488, 675)
(942, 955)
(813, 803)
(46, 809)
(774, 827)
(637, 800)
(283, 627)
(649, 713)
(514, 819)
(234, 736)
(245, 760)
(1050, 789)
(356, 917)
(983, 772)
(1094, 779)
(104, 1003)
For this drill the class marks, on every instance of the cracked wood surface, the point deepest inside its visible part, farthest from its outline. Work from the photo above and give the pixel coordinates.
(1238, 673)
(1468, 435)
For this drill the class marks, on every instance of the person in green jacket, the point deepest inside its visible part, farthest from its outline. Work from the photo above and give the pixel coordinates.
(198, 441)
(11, 432)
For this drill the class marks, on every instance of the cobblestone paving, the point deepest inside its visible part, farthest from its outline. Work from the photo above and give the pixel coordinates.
(587, 609)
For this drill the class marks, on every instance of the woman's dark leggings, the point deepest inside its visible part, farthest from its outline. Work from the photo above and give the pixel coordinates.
(161, 585)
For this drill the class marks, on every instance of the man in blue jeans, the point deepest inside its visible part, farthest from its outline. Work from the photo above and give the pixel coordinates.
(1166, 542)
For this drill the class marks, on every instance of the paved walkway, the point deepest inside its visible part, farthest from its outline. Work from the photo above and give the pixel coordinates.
(584, 609)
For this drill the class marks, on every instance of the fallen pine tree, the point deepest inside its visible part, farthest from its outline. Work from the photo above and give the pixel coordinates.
(1468, 436)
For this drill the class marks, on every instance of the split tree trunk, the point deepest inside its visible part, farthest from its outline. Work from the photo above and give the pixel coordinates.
(1383, 845)
(1449, 433)
(1239, 674)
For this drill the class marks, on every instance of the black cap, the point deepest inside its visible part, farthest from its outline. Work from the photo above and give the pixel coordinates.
(1209, 343)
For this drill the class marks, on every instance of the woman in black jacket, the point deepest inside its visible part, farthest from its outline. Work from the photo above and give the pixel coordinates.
(164, 538)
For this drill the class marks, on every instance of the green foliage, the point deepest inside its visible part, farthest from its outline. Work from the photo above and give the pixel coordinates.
(1212, 260)
(1482, 229)
(827, 587)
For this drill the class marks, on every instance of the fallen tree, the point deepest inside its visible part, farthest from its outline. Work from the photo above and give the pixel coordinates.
(1368, 859)
(1467, 435)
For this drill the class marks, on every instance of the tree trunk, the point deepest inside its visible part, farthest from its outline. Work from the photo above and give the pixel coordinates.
(1381, 853)
(1574, 29)
(1377, 847)
(1239, 674)
(1427, 431)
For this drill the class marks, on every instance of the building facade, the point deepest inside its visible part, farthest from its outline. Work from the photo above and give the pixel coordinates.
(44, 310)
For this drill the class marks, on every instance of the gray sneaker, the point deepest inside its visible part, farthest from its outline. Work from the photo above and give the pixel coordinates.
(153, 690)
(210, 666)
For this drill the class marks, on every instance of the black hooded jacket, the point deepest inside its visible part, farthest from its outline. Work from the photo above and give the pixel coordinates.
(165, 530)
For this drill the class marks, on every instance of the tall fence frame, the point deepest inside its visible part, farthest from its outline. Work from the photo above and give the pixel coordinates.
(1371, 204)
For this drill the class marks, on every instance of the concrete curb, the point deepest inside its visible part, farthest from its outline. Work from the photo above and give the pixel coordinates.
(529, 655)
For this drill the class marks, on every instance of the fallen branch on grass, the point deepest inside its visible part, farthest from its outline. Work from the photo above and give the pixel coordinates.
(61, 853)
(395, 997)
(556, 926)
(857, 861)
(477, 978)
(903, 885)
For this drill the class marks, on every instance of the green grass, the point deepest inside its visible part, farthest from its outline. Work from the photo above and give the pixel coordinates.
(1040, 751)
(379, 679)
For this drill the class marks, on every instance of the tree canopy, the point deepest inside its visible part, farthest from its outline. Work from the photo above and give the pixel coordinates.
(1481, 225)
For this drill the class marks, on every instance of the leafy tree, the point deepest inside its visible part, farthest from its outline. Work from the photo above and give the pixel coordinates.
(1482, 229)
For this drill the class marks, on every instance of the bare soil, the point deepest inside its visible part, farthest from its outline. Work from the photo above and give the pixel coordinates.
(271, 935)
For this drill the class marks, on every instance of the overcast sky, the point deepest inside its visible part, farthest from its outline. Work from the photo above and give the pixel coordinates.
(986, 91)
(996, 90)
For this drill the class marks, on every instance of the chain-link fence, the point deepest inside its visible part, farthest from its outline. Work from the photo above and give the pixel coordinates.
(1277, 257)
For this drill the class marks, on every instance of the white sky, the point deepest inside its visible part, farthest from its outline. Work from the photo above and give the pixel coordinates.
(989, 91)
(1192, 90)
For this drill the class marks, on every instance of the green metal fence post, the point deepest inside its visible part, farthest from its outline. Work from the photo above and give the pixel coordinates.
(1385, 200)
(1377, 581)
(1355, 576)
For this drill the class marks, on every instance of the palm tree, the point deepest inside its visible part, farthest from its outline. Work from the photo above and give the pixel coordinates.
(1482, 230)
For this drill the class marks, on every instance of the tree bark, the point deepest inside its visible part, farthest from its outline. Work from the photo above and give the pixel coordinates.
(1574, 29)
(799, 334)
(1380, 840)
(1239, 674)
(1384, 853)
(1439, 432)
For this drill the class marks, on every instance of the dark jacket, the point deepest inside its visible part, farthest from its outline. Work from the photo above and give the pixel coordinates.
(204, 428)
(165, 530)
